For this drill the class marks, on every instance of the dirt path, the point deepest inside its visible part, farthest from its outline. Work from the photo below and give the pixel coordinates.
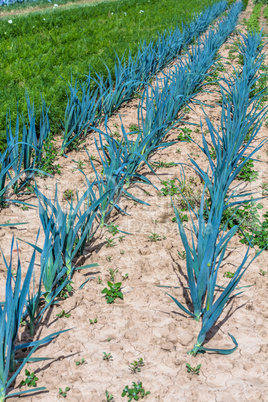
(28, 10)
(147, 324)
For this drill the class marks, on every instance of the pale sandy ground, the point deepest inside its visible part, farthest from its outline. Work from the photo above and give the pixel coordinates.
(147, 324)
(49, 6)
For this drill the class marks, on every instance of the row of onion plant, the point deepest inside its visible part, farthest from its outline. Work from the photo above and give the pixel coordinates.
(99, 97)
(160, 106)
(241, 120)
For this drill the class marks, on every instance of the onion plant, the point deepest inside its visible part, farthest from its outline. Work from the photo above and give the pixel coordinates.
(109, 185)
(241, 120)
(120, 89)
(120, 161)
(15, 301)
(24, 150)
(52, 275)
(79, 114)
(11, 313)
(5, 165)
(71, 226)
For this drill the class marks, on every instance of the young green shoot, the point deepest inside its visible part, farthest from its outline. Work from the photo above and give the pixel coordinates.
(135, 392)
(64, 393)
(112, 273)
(135, 367)
(30, 380)
(93, 321)
(63, 314)
(80, 362)
(193, 370)
(228, 274)
(110, 242)
(113, 292)
(107, 356)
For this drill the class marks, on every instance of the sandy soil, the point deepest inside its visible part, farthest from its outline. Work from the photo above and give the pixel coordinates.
(147, 324)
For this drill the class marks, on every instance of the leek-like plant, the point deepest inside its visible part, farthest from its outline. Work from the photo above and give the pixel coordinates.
(110, 186)
(79, 114)
(15, 301)
(71, 226)
(11, 313)
(241, 120)
(24, 150)
(121, 161)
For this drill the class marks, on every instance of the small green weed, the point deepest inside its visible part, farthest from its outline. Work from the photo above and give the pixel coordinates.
(134, 127)
(64, 393)
(113, 229)
(248, 218)
(213, 153)
(228, 274)
(161, 164)
(93, 321)
(264, 187)
(80, 164)
(49, 155)
(67, 290)
(182, 255)
(23, 323)
(135, 367)
(136, 392)
(80, 362)
(193, 370)
(112, 273)
(156, 237)
(262, 273)
(109, 398)
(63, 314)
(185, 134)
(247, 173)
(183, 217)
(68, 194)
(107, 356)
(113, 292)
(110, 242)
(147, 192)
(30, 379)
(169, 188)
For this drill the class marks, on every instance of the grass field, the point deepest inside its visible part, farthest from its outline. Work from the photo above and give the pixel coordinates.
(40, 50)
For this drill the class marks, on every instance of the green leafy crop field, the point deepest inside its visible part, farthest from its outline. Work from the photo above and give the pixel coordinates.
(40, 50)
